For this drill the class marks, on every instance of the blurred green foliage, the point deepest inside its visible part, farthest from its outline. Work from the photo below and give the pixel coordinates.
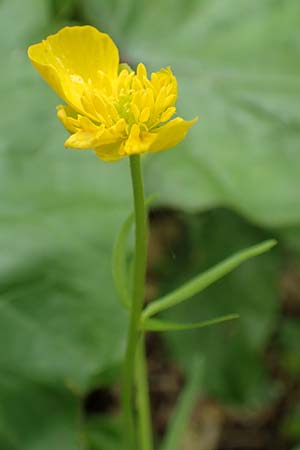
(289, 345)
(234, 367)
(291, 426)
(104, 433)
(61, 329)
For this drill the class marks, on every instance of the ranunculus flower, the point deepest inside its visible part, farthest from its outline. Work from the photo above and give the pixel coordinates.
(113, 110)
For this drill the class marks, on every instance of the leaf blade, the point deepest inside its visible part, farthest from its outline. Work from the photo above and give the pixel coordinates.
(205, 279)
(162, 325)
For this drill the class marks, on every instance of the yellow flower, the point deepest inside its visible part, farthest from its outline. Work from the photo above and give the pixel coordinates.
(111, 109)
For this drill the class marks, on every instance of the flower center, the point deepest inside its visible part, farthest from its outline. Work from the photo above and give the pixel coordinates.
(132, 97)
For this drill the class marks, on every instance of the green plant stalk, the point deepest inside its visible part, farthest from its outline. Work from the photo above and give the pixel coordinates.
(143, 400)
(141, 239)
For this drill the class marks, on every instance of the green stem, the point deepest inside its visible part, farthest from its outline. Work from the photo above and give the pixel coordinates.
(141, 235)
(143, 401)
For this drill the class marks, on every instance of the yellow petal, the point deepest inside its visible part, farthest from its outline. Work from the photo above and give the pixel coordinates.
(171, 134)
(164, 77)
(138, 141)
(145, 114)
(84, 139)
(74, 122)
(68, 117)
(141, 72)
(70, 60)
(166, 115)
(109, 152)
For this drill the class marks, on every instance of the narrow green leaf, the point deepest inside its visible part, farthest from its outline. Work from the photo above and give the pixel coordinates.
(120, 271)
(205, 279)
(184, 409)
(162, 325)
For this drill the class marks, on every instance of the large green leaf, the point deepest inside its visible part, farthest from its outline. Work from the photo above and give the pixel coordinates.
(104, 433)
(36, 416)
(238, 66)
(60, 324)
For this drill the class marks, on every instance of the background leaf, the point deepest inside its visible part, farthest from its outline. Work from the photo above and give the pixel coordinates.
(238, 69)
(104, 433)
(37, 416)
(61, 325)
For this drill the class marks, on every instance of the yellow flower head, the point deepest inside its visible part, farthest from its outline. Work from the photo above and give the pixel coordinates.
(113, 110)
